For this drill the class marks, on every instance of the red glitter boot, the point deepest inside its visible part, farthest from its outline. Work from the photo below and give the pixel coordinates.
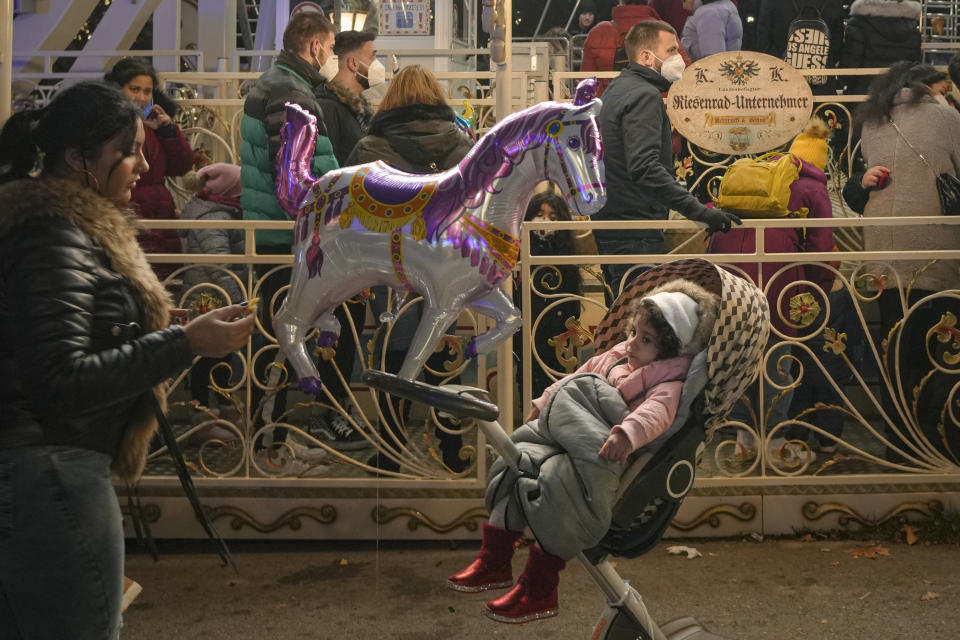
(535, 595)
(491, 569)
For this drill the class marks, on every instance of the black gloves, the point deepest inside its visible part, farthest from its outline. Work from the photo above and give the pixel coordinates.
(715, 219)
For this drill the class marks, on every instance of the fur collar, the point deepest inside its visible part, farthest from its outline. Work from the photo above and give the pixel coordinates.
(886, 8)
(115, 230)
(355, 102)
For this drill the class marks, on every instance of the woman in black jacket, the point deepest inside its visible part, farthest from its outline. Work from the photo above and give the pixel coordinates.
(413, 130)
(85, 348)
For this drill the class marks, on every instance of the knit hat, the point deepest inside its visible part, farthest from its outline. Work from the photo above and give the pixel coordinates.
(681, 313)
(221, 178)
(811, 145)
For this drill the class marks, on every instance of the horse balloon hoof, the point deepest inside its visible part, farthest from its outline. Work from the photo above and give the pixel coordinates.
(311, 385)
(327, 339)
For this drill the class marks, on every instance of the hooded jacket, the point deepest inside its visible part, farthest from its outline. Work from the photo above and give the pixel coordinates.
(879, 33)
(84, 322)
(714, 27)
(347, 116)
(421, 138)
(291, 79)
(810, 191)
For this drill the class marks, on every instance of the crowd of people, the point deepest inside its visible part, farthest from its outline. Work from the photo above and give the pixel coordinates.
(82, 309)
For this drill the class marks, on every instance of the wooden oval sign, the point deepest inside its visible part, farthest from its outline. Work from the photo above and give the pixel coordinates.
(740, 102)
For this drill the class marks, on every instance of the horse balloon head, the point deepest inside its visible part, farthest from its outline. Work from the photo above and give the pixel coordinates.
(297, 140)
(577, 165)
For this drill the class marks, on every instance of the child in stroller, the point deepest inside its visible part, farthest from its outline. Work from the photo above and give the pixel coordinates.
(580, 435)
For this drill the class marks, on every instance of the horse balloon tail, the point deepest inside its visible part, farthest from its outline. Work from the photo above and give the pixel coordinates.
(294, 178)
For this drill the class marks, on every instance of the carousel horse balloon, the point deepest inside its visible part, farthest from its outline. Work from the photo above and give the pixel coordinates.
(452, 237)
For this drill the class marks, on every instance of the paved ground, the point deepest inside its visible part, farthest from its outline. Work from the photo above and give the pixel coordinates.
(743, 590)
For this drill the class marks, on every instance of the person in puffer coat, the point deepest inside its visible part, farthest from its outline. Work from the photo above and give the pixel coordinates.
(218, 200)
(714, 27)
(86, 347)
(879, 33)
(295, 77)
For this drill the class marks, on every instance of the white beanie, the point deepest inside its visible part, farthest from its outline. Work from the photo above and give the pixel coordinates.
(681, 313)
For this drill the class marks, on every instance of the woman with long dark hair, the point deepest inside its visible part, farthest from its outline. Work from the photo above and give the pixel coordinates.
(85, 348)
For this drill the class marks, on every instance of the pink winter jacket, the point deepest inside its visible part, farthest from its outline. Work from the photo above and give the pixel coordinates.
(652, 392)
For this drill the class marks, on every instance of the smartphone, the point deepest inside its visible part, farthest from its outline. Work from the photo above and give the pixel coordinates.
(883, 180)
(148, 110)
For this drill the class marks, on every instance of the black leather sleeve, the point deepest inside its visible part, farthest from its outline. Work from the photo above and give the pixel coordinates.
(57, 290)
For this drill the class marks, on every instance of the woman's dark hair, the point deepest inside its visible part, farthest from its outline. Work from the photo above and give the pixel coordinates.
(667, 343)
(128, 69)
(885, 90)
(84, 117)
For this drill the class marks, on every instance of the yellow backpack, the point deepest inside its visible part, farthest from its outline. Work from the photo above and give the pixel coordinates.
(760, 187)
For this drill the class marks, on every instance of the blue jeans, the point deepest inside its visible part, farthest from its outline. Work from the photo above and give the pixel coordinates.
(61, 545)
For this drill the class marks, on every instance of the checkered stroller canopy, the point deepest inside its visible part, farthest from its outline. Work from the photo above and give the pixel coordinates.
(738, 339)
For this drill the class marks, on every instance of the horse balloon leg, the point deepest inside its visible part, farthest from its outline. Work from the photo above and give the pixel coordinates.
(433, 324)
(499, 307)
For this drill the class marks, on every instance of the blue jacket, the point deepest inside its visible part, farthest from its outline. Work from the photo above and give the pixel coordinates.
(714, 27)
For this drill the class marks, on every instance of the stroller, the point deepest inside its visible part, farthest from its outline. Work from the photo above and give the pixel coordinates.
(660, 474)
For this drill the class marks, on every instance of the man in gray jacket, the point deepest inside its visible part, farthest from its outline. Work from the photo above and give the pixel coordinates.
(638, 153)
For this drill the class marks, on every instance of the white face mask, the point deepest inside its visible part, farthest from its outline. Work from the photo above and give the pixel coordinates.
(942, 99)
(672, 68)
(329, 68)
(376, 74)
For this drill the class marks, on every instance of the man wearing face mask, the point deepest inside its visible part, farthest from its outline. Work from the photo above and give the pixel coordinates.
(346, 111)
(638, 154)
(300, 70)
(296, 76)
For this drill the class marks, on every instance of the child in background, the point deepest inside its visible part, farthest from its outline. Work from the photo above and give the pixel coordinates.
(580, 440)
(217, 200)
(808, 191)
(560, 279)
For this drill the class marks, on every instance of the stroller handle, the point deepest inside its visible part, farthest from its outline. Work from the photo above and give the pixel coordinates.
(458, 404)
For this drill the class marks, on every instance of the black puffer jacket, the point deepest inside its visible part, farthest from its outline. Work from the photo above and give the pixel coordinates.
(421, 138)
(83, 325)
(879, 33)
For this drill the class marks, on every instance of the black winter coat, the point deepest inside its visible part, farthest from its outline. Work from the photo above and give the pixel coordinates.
(879, 33)
(84, 325)
(346, 116)
(421, 138)
(638, 154)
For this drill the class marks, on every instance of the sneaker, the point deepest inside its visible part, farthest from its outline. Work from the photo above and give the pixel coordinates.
(336, 431)
(794, 455)
(828, 448)
(131, 589)
(284, 462)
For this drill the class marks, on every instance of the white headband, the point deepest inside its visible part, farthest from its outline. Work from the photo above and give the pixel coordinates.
(681, 312)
